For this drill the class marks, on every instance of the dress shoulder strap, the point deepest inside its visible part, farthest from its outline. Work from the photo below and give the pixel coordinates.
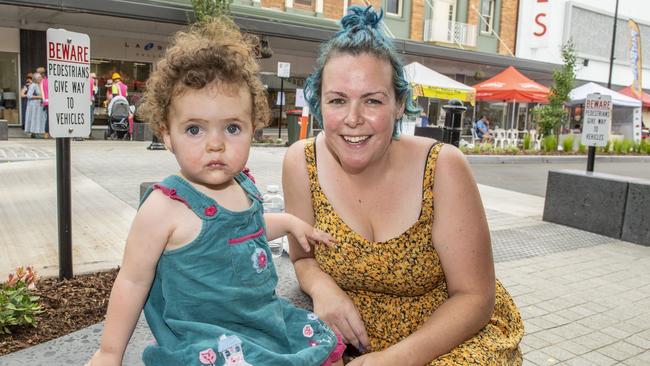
(429, 178)
(310, 157)
(179, 189)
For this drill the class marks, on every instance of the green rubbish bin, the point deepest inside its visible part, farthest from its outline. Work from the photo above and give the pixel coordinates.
(293, 125)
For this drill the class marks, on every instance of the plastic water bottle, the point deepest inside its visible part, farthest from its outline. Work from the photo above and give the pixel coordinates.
(274, 202)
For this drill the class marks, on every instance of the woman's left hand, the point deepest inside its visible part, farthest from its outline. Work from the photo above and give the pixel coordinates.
(375, 359)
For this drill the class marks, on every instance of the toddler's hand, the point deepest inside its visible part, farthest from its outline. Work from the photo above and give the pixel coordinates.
(308, 235)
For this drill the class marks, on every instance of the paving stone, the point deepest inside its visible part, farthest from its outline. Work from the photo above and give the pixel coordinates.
(620, 350)
(558, 353)
(598, 359)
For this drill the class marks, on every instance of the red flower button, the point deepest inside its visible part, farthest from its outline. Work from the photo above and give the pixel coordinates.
(211, 211)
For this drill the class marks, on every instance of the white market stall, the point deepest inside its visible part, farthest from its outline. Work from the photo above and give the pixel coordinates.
(626, 114)
(431, 84)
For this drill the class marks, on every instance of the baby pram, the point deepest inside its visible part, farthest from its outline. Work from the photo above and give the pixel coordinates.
(119, 125)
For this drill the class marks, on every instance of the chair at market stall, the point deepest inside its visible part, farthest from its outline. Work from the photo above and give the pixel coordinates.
(475, 138)
(535, 139)
(512, 137)
(500, 137)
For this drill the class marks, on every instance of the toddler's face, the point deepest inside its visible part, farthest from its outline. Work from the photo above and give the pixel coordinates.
(210, 132)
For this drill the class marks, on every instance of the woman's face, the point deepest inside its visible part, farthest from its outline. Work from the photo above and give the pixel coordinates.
(359, 109)
(37, 79)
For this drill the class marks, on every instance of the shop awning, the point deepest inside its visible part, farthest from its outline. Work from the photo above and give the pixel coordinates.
(511, 86)
(432, 84)
(645, 97)
(579, 94)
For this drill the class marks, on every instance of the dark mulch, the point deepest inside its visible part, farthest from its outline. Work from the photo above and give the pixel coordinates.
(68, 306)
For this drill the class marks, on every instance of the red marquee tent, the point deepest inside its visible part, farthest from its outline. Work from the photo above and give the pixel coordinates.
(645, 97)
(511, 85)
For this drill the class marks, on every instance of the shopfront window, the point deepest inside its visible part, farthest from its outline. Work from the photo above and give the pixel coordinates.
(9, 93)
(134, 75)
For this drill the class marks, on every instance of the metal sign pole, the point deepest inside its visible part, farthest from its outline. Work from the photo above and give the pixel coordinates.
(64, 199)
(591, 157)
(281, 107)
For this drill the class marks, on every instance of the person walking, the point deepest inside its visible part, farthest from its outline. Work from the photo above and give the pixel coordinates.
(118, 87)
(35, 115)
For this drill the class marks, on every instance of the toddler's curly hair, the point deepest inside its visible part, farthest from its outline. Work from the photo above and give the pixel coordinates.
(213, 51)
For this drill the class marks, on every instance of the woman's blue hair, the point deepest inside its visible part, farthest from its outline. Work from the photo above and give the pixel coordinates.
(361, 33)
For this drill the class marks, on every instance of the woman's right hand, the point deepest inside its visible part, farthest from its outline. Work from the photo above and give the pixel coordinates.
(336, 308)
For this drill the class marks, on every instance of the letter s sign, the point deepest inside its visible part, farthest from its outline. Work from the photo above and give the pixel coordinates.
(539, 21)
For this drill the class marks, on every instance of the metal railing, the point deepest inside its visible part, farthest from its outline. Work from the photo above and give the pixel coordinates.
(461, 34)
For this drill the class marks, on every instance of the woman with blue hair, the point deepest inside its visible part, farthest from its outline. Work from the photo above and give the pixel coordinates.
(411, 280)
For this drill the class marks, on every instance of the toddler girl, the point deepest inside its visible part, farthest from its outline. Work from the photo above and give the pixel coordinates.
(197, 257)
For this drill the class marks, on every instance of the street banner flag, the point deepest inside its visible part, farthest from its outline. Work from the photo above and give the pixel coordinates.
(634, 46)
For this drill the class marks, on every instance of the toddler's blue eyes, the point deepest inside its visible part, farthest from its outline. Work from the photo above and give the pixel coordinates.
(233, 129)
(193, 130)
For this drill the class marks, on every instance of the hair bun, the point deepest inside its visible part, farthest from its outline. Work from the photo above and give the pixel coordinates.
(358, 18)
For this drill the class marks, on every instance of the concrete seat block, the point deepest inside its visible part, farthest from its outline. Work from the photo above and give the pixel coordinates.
(636, 224)
(594, 202)
(4, 130)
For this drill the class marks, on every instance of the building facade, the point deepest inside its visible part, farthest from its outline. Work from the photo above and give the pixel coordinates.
(546, 25)
(468, 40)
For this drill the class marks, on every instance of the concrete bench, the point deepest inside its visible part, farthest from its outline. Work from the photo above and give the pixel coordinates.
(606, 204)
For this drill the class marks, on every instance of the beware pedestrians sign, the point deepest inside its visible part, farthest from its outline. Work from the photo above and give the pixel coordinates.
(68, 72)
(598, 120)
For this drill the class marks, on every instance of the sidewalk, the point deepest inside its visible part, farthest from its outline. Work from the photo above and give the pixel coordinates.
(585, 298)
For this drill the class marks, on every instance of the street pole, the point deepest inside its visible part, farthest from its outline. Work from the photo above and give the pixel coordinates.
(281, 107)
(591, 157)
(64, 206)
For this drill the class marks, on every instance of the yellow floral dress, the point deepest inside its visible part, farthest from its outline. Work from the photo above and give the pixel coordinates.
(397, 284)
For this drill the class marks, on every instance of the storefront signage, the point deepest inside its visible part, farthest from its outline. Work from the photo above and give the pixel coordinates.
(597, 120)
(68, 72)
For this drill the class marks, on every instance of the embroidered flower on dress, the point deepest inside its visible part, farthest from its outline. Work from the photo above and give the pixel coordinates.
(308, 331)
(260, 260)
(208, 357)
(312, 343)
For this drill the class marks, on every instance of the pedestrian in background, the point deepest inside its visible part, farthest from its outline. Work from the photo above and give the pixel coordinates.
(46, 101)
(94, 92)
(23, 99)
(35, 115)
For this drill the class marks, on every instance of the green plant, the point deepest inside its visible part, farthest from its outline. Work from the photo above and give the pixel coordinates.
(513, 150)
(567, 143)
(582, 149)
(607, 147)
(548, 117)
(206, 9)
(626, 146)
(17, 305)
(644, 147)
(549, 143)
(617, 146)
(527, 141)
